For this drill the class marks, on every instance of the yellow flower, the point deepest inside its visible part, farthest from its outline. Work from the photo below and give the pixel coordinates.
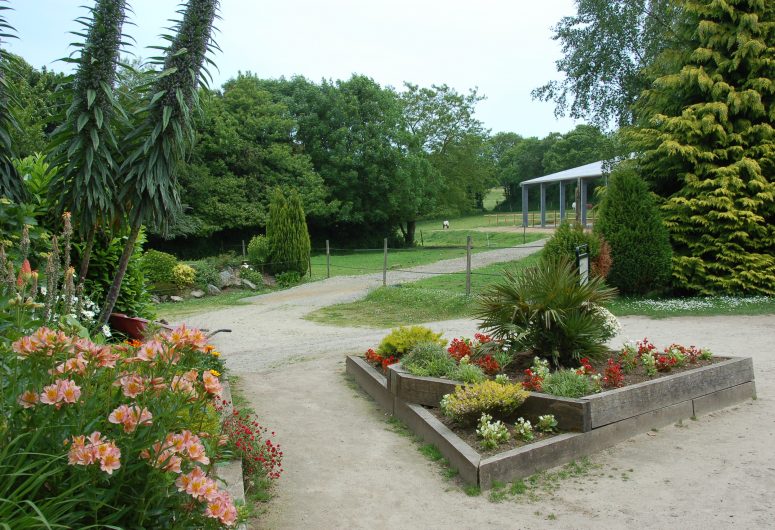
(216, 373)
(215, 353)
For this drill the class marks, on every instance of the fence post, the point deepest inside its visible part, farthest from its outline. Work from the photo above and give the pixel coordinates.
(468, 266)
(422, 243)
(384, 267)
(488, 239)
(328, 260)
(309, 263)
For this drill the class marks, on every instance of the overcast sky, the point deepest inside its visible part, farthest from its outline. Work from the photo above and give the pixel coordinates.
(503, 47)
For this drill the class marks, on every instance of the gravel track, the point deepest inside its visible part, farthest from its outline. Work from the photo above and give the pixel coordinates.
(346, 469)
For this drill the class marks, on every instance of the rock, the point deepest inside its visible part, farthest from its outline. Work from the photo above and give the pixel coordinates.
(247, 283)
(155, 299)
(227, 278)
(197, 293)
(176, 298)
(164, 298)
(269, 280)
(212, 289)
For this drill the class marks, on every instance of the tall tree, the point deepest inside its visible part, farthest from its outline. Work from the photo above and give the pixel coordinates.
(608, 48)
(582, 145)
(11, 185)
(164, 133)
(707, 138)
(84, 147)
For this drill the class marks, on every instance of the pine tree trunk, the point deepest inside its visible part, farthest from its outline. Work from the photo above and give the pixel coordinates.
(115, 288)
(411, 227)
(87, 254)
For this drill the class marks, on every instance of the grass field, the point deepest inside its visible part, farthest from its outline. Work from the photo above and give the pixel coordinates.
(436, 298)
(709, 306)
(344, 263)
(494, 197)
(173, 311)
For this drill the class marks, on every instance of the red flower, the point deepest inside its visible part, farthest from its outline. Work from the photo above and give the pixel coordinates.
(612, 375)
(388, 361)
(488, 365)
(532, 381)
(459, 348)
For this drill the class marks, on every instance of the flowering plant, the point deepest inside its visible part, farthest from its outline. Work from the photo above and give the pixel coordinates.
(492, 433)
(524, 429)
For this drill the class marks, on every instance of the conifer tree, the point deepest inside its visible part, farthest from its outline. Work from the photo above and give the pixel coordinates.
(629, 220)
(708, 147)
(11, 185)
(286, 232)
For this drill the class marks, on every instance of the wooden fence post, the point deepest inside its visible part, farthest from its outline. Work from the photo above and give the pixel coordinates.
(384, 267)
(468, 266)
(328, 260)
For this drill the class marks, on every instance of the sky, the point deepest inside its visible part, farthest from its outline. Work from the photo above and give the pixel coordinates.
(502, 47)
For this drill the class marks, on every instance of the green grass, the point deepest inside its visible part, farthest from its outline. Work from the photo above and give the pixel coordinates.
(349, 263)
(494, 197)
(431, 452)
(676, 307)
(172, 311)
(435, 298)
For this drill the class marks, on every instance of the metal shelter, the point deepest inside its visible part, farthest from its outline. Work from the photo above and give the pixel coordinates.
(581, 175)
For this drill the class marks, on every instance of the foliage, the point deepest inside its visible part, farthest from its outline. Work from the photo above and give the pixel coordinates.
(286, 234)
(206, 273)
(13, 218)
(608, 50)
(707, 143)
(261, 457)
(183, 275)
(467, 403)
(400, 341)
(120, 424)
(568, 383)
(613, 377)
(158, 266)
(11, 186)
(601, 265)
(546, 423)
(492, 433)
(37, 174)
(428, 359)
(258, 251)
(254, 276)
(84, 146)
(631, 224)
(565, 240)
(546, 310)
(467, 373)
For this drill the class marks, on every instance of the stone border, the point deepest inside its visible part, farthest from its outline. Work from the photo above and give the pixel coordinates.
(230, 471)
(702, 397)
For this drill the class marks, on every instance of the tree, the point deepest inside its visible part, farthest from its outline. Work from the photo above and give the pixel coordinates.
(244, 149)
(11, 185)
(84, 147)
(582, 145)
(629, 220)
(287, 235)
(164, 134)
(609, 46)
(707, 139)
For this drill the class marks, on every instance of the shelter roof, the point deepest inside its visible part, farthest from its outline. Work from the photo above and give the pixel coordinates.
(595, 169)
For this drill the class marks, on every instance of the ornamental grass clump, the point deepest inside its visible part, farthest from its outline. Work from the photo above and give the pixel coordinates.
(467, 403)
(429, 359)
(568, 383)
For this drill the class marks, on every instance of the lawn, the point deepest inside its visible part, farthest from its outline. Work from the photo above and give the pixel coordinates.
(175, 311)
(493, 198)
(709, 306)
(436, 298)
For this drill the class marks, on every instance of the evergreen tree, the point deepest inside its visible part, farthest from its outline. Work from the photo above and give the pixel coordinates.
(630, 222)
(708, 147)
(286, 232)
(11, 185)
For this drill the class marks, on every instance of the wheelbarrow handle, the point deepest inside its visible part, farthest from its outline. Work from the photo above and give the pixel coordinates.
(222, 330)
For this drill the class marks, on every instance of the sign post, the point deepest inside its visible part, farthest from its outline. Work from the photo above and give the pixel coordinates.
(582, 262)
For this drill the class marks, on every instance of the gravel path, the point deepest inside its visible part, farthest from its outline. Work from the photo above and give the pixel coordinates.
(346, 469)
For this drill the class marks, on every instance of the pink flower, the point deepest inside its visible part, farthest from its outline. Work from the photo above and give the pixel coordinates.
(69, 391)
(130, 417)
(196, 452)
(183, 336)
(212, 383)
(50, 395)
(98, 449)
(132, 385)
(149, 351)
(111, 460)
(221, 506)
(28, 399)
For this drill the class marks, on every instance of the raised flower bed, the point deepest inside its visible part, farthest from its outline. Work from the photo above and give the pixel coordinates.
(596, 421)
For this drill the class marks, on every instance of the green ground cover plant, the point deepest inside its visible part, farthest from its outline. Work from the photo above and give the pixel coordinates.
(699, 306)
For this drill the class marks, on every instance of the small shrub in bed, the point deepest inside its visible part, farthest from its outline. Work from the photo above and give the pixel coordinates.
(492, 433)
(467, 373)
(401, 340)
(429, 359)
(524, 429)
(183, 275)
(467, 403)
(568, 383)
(158, 266)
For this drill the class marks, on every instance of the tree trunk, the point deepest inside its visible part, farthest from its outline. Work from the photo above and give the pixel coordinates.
(87, 254)
(409, 234)
(115, 288)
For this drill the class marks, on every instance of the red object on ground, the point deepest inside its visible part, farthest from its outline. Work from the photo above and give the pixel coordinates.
(132, 327)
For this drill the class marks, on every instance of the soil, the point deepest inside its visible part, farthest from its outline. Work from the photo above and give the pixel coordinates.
(467, 433)
(347, 468)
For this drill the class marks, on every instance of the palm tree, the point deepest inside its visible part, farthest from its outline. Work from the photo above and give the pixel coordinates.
(164, 133)
(84, 146)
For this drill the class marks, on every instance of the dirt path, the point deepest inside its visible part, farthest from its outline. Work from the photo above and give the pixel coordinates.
(346, 469)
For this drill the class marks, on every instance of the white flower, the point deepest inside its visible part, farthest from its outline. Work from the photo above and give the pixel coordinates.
(106, 331)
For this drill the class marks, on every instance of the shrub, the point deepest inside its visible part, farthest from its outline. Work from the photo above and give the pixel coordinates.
(601, 265)
(565, 240)
(258, 251)
(183, 275)
(546, 310)
(401, 340)
(630, 222)
(429, 359)
(467, 373)
(206, 273)
(158, 266)
(467, 403)
(252, 276)
(288, 279)
(568, 383)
